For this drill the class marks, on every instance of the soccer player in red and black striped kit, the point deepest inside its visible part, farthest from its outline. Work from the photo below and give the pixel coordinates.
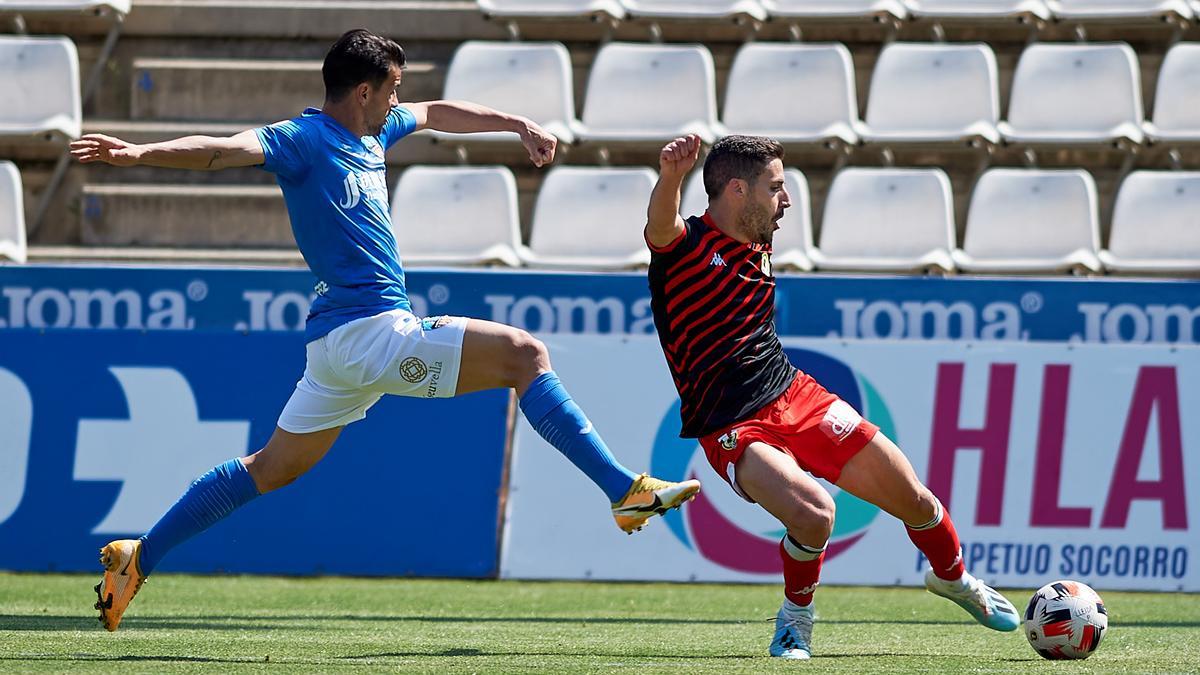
(764, 425)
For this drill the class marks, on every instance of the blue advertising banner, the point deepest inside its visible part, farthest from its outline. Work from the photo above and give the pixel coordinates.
(100, 432)
(842, 307)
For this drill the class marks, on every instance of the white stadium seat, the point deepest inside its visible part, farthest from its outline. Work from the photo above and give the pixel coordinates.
(1075, 93)
(924, 93)
(1155, 227)
(1028, 220)
(484, 72)
(795, 93)
(793, 239)
(591, 218)
(978, 9)
(887, 220)
(1177, 97)
(116, 6)
(1091, 10)
(650, 93)
(835, 9)
(39, 77)
(695, 9)
(552, 8)
(457, 215)
(12, 213)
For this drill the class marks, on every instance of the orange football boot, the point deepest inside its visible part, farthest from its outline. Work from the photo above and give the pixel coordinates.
(649, 496)
(122, 580)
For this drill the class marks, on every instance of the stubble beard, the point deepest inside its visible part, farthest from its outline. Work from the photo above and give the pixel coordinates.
(758, 223)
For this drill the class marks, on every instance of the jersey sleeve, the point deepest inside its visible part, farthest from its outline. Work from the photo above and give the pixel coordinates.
(679, 245)
(400, 123)
(287, 148)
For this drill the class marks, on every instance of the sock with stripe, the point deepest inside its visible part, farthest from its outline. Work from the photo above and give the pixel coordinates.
(801, 570)
(557, 418)
(938, 540)
(208, 499)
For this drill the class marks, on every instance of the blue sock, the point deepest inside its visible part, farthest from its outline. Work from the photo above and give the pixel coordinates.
(208, 499)
(557, 418)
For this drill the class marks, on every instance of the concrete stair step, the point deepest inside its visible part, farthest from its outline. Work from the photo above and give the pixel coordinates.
(210, 216)
(231, 90)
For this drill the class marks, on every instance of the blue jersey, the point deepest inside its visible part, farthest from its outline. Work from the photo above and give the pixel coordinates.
(335, 187)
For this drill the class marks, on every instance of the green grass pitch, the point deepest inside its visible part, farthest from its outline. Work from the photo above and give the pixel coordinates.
(269, 624)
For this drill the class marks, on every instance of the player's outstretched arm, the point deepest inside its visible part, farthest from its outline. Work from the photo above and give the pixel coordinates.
(663, 223)
(204, 153)
(463, 117)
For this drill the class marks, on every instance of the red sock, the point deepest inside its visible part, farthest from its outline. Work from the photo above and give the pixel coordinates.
(801, 570)
(938, 540)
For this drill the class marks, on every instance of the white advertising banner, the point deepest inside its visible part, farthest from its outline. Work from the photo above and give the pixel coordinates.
(1056, 461)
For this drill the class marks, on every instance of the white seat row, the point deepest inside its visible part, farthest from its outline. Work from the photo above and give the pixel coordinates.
(1062, 94)
(893, 220)
(848, 9)
(12, 214)
(40, 80)
(31, 6)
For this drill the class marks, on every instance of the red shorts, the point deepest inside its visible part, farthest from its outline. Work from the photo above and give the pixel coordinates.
(818, 429)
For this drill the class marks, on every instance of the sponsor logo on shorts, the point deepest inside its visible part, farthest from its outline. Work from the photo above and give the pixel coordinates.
(435, 322)
(413, 369)
(840, 421)
(435, 375)
(729, 440)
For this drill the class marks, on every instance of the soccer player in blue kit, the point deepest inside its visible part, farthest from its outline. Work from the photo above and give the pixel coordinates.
(362, 338)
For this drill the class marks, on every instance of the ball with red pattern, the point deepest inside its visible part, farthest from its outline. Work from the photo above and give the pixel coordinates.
(1065, 620)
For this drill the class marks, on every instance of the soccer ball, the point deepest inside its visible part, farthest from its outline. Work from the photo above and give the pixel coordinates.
(1065, 620)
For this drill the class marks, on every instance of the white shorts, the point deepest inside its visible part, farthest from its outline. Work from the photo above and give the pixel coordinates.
(353, 366)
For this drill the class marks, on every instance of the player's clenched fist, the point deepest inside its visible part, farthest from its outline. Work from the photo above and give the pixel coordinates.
(679, 156)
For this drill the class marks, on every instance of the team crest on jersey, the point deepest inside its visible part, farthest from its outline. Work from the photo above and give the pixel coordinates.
(765, 265)
(413, 369)
(729, 440)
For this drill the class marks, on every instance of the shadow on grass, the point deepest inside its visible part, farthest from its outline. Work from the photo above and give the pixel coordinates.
(128, 658)
(55, 622)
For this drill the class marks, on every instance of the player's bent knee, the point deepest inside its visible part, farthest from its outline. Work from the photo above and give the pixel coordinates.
(530, 356)
(812, 518)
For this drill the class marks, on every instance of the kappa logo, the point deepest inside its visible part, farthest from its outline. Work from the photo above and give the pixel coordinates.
(840, 421)
(717, 260)
(413, 369)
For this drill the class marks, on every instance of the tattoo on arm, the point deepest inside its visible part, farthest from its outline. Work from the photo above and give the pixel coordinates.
(215, 156)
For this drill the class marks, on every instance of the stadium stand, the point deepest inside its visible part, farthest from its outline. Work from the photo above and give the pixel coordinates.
(12, 214)
(99, 6)
(457, 216)
(1155, 228)
(800, 94)
(484, 72)
(934, 93)
(591, 218)
(1032, 221)
(696, 9)
(1177, 99)
(793, 240)
(887, 220)
(1121, 10)
(41, 78)
(553, 8)
(649, 94)
(182, 67)
(979, 10)
(1075, 94)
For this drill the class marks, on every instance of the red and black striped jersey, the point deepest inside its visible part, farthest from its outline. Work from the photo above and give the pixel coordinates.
(714, 307)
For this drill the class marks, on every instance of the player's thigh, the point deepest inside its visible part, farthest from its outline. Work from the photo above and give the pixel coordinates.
(882, 475)
(772, 478)
(495, 355)
(287, 456)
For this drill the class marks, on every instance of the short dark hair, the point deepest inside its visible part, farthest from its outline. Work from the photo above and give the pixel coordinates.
(744, 157)
(359, 56)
